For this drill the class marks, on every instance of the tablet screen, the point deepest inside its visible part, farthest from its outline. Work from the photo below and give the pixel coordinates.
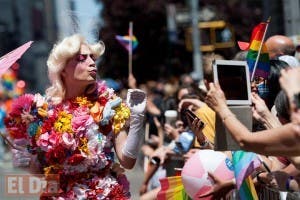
(233, 77)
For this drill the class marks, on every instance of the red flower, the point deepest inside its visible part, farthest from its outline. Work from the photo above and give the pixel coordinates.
(56, 155)
(48, 124)
(16, 130)
(117, 193)
(75, 159)
(23, 103)
(102, 100)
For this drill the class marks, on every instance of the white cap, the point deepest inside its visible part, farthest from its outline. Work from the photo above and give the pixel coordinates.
(290, 60)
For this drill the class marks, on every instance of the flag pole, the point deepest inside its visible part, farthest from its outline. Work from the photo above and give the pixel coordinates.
(130, 48)
(259, 50)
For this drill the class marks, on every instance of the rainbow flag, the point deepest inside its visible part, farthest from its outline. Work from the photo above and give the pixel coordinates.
(124, 41)
(244, 164)
(263, 65)
(247, 190)
(171, 189)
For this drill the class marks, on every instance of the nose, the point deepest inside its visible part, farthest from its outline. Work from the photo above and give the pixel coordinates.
(91, 61)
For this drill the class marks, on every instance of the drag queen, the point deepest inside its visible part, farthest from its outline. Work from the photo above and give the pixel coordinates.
(71, 131)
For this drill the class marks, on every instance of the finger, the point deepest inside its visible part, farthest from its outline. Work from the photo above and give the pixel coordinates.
(254, 97)
(207, 194)
(213, 177)
(212, 86)
(217, 85)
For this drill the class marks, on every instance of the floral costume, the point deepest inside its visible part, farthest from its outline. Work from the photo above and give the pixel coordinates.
(70, 140)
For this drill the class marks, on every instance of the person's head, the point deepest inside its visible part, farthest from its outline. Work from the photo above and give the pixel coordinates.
(290, 60)
(279, 45)
(71, 64)
(273, 80)
(186, 79)
(207, 66)
(241, 55)
(282, 107)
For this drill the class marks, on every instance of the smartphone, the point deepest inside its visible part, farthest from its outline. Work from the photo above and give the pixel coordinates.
(192, 116)
(184, 143)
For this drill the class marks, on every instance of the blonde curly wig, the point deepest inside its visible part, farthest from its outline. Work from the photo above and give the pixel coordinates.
(58, 58)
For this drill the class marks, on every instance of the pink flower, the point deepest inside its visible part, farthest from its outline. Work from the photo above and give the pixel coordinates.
(68, 141)
(48, 141)
(21, 104)
(81, 119)
(43, 142)
(54, 138)
(102, 87)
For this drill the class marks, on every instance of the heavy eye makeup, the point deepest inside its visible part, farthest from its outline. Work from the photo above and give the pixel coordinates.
(83, 57)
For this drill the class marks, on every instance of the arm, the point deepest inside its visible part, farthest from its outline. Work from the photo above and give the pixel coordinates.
(151, 169)
(296, 161)
(160, 131)
(283, 140)
(128, 146)
(131, 81)
(196, 104)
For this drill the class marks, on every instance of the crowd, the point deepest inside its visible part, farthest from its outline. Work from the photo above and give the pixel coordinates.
(78, 126)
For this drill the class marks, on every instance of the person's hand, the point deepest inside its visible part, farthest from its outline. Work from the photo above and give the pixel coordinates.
(265, 178)
(290, 81)
(108, 111)
(117, 169)
(280, 181)
(197, 128)
(143, 189)
(170, 130)
(131, 81)
(259, 108)
(136, 101)
(193, 104)
(157, 123)
(20, 156)
(215, 98)
(220, 188)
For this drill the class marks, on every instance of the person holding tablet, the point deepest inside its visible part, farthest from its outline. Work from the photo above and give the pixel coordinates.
(281, 141)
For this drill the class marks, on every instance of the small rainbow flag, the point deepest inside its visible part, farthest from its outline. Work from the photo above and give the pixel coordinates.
(171, 189)
(263, 65)
(247, 190)
(244, 164)
(124, 41)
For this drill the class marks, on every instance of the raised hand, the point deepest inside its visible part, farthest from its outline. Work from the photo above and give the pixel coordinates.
(220, 188)
(215, 97)
(136, 101)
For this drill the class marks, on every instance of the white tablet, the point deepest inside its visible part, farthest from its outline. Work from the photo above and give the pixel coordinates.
(233, 77)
